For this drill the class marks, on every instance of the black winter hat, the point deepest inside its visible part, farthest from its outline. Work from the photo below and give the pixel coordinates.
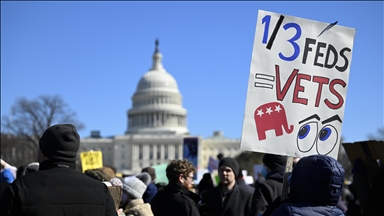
(60, 142)
(274, 161)
(231, 162)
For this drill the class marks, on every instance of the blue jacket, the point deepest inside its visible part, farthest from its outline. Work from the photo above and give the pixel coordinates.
(149, 193)
(316, 186)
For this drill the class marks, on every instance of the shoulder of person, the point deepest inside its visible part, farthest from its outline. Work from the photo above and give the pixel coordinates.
(270, 183)
(284, 209)
(246, 191)
(210, 193)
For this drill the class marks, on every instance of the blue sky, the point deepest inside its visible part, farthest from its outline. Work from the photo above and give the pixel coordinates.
(94, 53)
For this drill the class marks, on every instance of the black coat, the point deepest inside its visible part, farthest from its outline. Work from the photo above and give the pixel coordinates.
(267, 191)
(241, 183)
(175, 200)
(57, 189)
(237, 204)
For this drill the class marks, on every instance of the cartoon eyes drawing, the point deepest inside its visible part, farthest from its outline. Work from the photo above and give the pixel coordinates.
(327, 140)
(309, 135)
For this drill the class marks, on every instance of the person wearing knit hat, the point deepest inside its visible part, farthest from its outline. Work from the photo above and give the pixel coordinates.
(151, 189)
(227, 198)
(232, 163)
(60, 142)
(135, 188)
(57, 188)
(151, 171)
(273, 161)
(267, 191)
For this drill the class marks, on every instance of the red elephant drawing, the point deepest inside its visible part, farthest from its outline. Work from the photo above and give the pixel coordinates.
(271, 116)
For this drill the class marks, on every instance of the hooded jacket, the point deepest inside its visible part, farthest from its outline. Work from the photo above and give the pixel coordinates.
(316, 186)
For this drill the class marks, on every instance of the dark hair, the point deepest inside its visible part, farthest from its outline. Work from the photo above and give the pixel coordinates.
(177, 167)
(205, 183)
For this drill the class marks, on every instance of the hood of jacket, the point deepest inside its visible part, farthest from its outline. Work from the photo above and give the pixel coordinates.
(317, 179)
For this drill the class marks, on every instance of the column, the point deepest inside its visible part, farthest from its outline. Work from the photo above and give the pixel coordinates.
(162, 151)
(145, 151)
(180, 151)
(135, 152)
(171, 151)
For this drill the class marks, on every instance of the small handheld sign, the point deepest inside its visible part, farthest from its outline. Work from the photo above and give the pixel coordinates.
(91, 160)
(297, 86)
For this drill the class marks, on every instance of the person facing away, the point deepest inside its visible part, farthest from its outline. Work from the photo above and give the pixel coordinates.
(267, 191)
(176, 198)
(240, 181)
(57, 188)
(205, 183)
(135, 188)
(227, 199)
(316, 185)
(151, 190)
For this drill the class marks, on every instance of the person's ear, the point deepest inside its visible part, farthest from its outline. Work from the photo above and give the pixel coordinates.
(181, 178)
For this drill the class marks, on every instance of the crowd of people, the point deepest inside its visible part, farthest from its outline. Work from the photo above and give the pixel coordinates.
(53, 186)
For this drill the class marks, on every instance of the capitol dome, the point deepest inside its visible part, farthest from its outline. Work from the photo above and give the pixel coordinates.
(157, 79)
(157, 102)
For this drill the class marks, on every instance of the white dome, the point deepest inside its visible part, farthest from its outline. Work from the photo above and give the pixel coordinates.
(156, 79)
(157, 102)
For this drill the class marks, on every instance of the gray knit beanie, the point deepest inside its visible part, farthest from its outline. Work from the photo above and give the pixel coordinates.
(144, 177)
(135, 188)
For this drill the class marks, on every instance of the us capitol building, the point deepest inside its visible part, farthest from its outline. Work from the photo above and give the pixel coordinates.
(156, 127)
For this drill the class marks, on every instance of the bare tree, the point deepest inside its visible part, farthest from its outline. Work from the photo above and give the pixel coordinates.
(379, 136)
(30, 118)
(247, 160)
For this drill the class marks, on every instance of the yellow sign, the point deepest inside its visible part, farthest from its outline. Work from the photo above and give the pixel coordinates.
(91, 160)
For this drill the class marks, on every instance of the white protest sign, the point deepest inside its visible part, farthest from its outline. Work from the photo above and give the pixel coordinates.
(297, 86)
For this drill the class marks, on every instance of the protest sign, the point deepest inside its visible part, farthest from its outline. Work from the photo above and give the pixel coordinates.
(371, 153)
(364, 149)
(161, 175)
(213, 164)
(190, 149)
(257, 171)
(297, 86)
(91, 160)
